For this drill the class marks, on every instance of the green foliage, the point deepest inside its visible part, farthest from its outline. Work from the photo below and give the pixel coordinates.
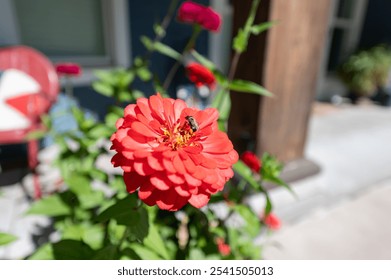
(249, 87)
(6, 238)
(366, 70)
(108, 223)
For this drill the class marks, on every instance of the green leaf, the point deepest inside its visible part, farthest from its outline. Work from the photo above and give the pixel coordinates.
(91, 199)
(45, 252)
(123, 211)
(147, 43)
(125, 77)
(159, 30)
(124, 96)
(98, 175)
(103, 88)
(6, 238)
(111, 119)
(137, 94)
(268, 206)
(259, 28)
(161, 48)
(203, 60)
(36, 134)
(78, 184)
(145, 253)
(167, 50)
(280, 182)
(92, 235)
(245, 172)
(155, 242)
(144, 74)
(46, 120)
(68, 249)
(225, 107)
(240, 41)
(196, 254)
(99, 131)
(252, 221)
(249, 87)
(107, 253)
(50, 206)
(127, 212)
(106, 76)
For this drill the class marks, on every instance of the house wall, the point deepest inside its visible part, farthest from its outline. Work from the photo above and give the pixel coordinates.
(143, 14)
(377, 24)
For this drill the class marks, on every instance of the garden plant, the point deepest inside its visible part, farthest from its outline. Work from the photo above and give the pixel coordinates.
(179, 188)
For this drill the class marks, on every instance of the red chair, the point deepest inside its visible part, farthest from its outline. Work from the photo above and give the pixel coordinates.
(38, 67)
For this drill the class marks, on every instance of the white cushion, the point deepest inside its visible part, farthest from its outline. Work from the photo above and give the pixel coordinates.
(14, 83)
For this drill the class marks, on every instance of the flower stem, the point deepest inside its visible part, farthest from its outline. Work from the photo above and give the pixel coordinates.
(164, 25)
(247, 32)
(122, 240)
(190, 44)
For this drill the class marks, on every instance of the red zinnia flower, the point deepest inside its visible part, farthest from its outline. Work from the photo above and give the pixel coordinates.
(172, 154)
(190, 12)
(272, 221)
(252, 161)
(71, 69)
(223, 248)
(200, 75)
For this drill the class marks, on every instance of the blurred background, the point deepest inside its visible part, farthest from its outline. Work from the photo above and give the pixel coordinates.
(329, 121)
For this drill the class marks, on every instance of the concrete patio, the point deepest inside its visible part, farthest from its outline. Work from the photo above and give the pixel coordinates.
(340, 213)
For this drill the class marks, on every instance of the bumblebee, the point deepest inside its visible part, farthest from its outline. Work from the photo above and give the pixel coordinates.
(192, 123)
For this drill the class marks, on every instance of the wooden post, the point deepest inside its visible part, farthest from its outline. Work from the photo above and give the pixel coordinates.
(293, 55)
(286, 62)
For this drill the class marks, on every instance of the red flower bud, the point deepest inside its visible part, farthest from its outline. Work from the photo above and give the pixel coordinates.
(223, 247)
(200, 75)
(252, 161)
(272, 221)
(71, 69)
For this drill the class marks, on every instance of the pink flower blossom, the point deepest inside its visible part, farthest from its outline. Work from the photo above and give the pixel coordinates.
(71, 69)
(193, 13)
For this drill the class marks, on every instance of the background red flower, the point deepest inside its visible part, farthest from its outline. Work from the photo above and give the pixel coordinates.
(200, 75)
(272, 221)
(165, 160)
(194, 13)
(68, 68)
(252, 161)
(223, 247)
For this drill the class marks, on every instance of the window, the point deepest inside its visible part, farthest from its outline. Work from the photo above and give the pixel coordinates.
(94, 33)
(346, 20)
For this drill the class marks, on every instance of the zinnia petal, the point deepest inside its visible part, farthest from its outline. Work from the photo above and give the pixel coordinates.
(165, 160)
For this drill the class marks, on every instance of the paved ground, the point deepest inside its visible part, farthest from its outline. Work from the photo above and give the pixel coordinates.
(343, 212)
(340, 213)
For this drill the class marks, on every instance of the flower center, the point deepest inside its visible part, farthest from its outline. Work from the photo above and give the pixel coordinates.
(178, 136)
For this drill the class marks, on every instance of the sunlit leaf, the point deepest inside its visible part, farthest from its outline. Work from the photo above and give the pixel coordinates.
(259, 28)
(45, 252)
(50, 206)
(203, 60)
(155, 242)
(249, 87)
(6, 238)
(103, 88)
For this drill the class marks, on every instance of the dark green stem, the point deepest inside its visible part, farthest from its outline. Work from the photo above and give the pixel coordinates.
(190, 44)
